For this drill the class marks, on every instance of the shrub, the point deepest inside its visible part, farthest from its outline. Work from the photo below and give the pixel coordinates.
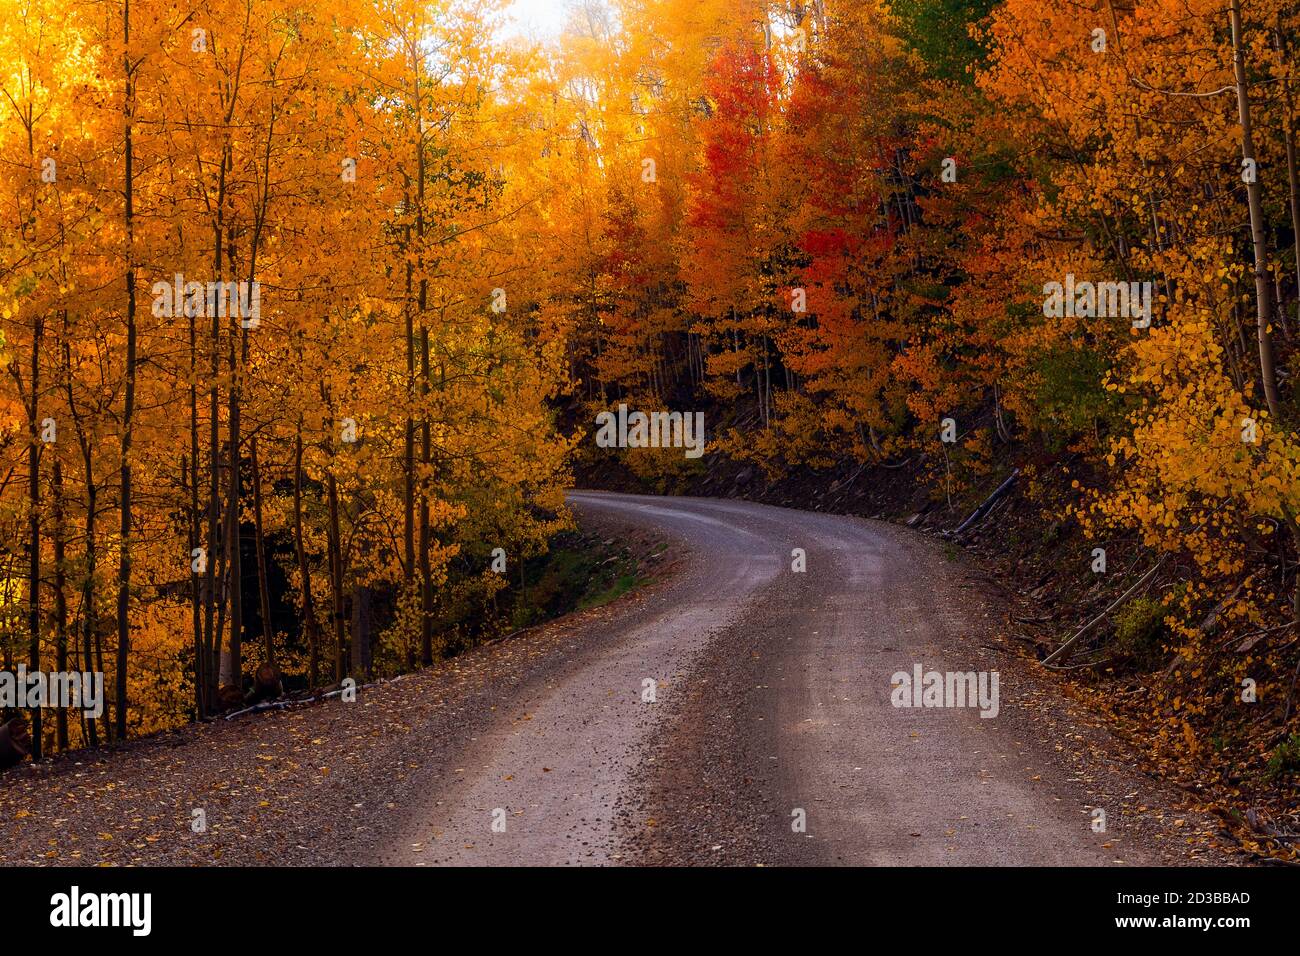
(1140, 631)
(1285, 759)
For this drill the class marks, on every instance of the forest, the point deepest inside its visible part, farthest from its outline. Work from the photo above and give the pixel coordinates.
(309, 313)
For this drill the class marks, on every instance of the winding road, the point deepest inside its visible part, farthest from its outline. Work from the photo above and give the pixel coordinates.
(768, 733)
(735, 710)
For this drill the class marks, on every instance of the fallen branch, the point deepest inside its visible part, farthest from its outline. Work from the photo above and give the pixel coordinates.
(281, 704)
(848, 482)
(1032, 620)
(902, 464)
(1212, 618)
(1050, 658)
(1246, 642)
(1076, 667)
(989, 502)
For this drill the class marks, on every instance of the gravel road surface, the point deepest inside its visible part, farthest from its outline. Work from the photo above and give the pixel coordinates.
(734, 711)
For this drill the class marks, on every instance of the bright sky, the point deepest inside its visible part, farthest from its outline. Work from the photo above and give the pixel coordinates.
(541, 19)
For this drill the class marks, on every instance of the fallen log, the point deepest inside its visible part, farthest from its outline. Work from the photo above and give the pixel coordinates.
(15, 742)
(989, 502)
(1051, 658)
(323, 695)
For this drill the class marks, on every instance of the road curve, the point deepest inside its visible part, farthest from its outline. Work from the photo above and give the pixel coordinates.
(788, 673)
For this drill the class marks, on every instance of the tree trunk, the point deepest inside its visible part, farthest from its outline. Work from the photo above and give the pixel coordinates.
(128, 411)
(408, 448)
(336, 576)
(1263, 303)
(34, 530)
(88, 613)
(60, 601)
(426, 458)
(426, 580)
(201, 698)
(212, 626)
(308, 609)
(236, 659)
(1292, 176)
(89, 733)
(361, 629)
(263, 588)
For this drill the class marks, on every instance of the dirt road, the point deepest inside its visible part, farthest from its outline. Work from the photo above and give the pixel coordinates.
(772, 735)
(736, 711)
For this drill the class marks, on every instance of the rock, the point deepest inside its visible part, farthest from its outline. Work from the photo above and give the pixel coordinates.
(15, 742)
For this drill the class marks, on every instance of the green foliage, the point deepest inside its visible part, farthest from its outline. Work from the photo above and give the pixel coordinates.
(579, 571)
(1285, 759)
(1140, 631)
(1070, 393)
(619, 586)
(937, 30)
